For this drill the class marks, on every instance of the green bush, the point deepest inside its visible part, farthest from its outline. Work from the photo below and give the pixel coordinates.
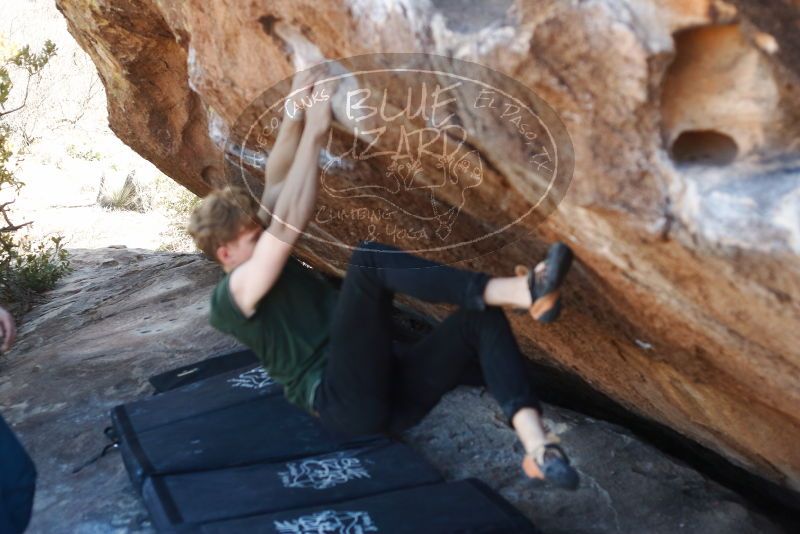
(125, 198)
(177, 204)
(27, 268)
(182, 203)
(88, 154)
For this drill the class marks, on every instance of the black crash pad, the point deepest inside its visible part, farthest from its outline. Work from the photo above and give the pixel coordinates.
(266, 428)
(218, 391)
(180, 502)
(225, 452)
(463, 506)
(203, 369)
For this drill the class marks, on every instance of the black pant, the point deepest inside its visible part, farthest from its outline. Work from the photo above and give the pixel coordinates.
(370, 387)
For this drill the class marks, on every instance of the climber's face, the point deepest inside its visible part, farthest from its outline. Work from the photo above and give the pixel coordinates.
(237, 251)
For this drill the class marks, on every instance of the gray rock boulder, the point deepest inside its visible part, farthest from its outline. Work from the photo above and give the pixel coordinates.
(626, 485)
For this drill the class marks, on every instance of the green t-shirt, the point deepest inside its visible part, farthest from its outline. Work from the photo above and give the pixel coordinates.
(289, 330)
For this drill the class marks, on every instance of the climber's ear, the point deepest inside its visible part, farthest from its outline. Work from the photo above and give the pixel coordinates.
(223, 254)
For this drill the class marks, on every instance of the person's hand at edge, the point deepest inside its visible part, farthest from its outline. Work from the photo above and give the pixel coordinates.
(7, 328)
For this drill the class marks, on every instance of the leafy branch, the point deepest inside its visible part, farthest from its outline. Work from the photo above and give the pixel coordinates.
(25, 268)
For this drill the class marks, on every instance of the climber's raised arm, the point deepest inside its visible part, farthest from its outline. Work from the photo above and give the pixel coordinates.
(251, 280)
(283, 152)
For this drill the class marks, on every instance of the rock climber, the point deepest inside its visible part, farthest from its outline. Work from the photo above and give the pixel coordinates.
(332, 349)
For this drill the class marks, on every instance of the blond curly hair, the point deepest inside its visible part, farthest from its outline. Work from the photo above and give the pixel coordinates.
(221, 217)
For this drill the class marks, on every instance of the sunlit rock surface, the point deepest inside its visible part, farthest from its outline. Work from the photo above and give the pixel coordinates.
(683, 209)
(126, 314)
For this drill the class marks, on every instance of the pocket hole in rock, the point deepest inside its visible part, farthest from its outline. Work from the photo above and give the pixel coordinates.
(704, 147)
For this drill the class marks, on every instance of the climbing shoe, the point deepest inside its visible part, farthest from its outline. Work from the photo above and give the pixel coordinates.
(550, 462)
(544, 282)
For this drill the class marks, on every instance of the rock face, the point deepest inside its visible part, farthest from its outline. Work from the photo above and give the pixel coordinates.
(126, 314)
(684, 205)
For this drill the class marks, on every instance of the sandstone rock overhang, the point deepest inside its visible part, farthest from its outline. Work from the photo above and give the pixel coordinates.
(683, 209)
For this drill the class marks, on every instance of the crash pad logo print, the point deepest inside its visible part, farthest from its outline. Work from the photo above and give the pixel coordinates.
(256, 378)
(329, 521)
(434, 154)
(322, 474)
